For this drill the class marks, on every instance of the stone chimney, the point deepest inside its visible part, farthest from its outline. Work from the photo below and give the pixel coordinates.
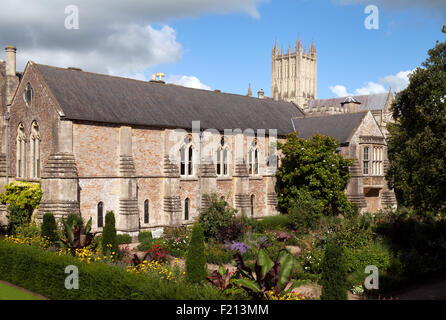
(261, 94)
(10, 60)
(351, 105)
(12, 81)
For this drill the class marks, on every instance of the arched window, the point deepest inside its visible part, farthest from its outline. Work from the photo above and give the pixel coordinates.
(252, 205)
(186, 209)
(28, 94)
(187, 157)
(253, 159)
(222, 158)
(100, 214)
(21, 152)
(35, 150)
(146, 211)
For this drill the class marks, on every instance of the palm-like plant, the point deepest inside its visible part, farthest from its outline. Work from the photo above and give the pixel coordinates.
(77, 236)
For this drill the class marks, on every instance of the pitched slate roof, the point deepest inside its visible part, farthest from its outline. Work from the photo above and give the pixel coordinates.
(338, 126)
(102, 98)
(368, 102)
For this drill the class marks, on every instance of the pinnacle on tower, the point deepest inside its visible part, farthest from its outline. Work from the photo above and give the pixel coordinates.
(289, 48)
(298, 45)
(249, 90)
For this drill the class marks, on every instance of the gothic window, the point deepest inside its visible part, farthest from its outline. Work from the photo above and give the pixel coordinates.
(222, 158)
(28, 94)
(35, 150)
(365, 161)
(253, 159)
(186, 209)
(187, 157)
(21, 152)
(146, 211)
(252, 204)
(100, 214)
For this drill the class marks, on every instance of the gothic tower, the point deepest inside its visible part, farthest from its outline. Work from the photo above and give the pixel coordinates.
(294, 74)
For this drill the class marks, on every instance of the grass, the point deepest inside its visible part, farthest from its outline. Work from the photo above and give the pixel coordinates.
(8, 292)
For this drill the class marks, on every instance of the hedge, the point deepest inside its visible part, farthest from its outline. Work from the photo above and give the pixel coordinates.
(43, 272)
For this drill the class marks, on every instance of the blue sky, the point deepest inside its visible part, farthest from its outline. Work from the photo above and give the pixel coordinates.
(227, 44)
(227, 52)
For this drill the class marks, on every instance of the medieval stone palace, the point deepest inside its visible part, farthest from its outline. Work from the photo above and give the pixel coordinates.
(148, 150)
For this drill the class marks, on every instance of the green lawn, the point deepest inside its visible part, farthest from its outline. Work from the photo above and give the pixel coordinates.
(10, 293)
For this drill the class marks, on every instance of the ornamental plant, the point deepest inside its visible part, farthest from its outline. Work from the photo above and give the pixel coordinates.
(76, 235)
(49, 227)
(334, 273)
(267, 277)
(195, 257)
(109, 242)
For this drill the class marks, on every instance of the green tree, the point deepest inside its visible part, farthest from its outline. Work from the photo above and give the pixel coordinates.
(314, 167)
(334, 273)
(216, 216)
(109, 242)
(195, 256)
(417, 139)
(49, 227)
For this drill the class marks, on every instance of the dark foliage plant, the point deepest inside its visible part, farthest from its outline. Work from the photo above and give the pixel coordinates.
(49, 227)
(195, 258)
(109, 241)
(334, 273)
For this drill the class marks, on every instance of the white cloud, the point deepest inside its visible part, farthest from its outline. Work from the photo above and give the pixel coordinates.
(339, 91)
(370, 88)
(117, 37)
(396, 82)
(187, 81)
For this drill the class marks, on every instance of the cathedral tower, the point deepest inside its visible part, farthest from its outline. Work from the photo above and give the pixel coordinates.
(294, 74)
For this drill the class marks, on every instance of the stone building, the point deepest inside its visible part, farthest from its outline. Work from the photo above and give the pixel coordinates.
(148, 150)
(379, 105)
(294, 74)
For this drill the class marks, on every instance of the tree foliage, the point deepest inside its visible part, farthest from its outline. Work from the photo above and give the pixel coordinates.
(417, 141)
(314, 167)
(216, 217)
(23, 195)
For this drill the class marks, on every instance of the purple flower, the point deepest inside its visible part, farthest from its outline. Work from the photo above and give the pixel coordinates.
(240, 246)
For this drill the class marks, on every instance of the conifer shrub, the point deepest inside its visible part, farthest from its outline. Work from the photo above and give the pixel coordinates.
(195, 257)
(49, 227)
(109, 242)
(334, 273)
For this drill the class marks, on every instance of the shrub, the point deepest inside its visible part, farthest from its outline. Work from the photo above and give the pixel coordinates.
(123, 238)
(306, 212)
(43, 272)
(334, 273)
(233, 231)
(145, 236)
(215, 216)
(49, 227)
(354, 231)
(23, 195)
(218, 255)
(275, 222)
(195, 257)
(374, 254)
(17, 217)
(109, 241)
